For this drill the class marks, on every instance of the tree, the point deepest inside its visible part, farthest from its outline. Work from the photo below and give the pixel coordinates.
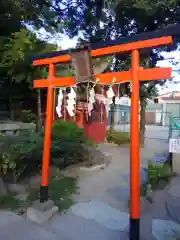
(16, 58)
(95, 21)
(15, 14)
(123, 18)
(16, 69)
(18, 44)
(141, 16)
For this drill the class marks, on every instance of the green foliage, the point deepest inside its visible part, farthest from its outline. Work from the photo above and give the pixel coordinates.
(37, 14)
(71, 130)
(27, 116)
(143, 190)
(17, 55)
(69, 145)
(118, 137)
(61, 128)
(20, 154)
(9, 202)
(158, 172)
(66, 151)
(60, 190)
(152, 6)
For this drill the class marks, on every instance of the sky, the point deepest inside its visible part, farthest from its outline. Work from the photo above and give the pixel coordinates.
(66, 42)
(175, 84)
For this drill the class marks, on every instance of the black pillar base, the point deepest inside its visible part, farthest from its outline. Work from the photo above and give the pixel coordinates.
(134, 233)
(43, 194)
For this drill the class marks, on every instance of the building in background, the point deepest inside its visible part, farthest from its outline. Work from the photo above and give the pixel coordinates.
(121, 111)
(166, 106)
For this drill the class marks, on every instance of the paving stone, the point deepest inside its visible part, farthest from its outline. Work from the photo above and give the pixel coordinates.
(159, 159)
(103, 214)
(15, 227)
(173, 200)
(7, 218)
(143, 175)
(164, 229)
(158, 207)
(78, 228)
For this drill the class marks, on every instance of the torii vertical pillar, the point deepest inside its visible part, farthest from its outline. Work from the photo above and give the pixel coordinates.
(47, 136)
(134, 151)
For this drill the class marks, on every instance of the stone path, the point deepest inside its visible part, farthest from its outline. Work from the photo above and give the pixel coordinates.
(14, 227)
(101, 209)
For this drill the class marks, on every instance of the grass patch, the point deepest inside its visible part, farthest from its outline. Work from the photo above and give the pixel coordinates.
(158, 176)
(118, 137)
(9, 202)
(61, 190)
(143, 190)
(157, 173)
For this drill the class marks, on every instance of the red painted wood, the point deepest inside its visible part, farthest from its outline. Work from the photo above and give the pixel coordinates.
(96, 131)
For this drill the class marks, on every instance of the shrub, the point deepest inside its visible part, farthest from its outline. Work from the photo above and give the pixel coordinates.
(158, 172)
(69, 144)
(20, 154)
(68, 129)
(71, 130)
(66, 151)
(118, 137)
(27, 116)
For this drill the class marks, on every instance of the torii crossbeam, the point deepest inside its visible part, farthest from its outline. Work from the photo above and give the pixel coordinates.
(135, 74)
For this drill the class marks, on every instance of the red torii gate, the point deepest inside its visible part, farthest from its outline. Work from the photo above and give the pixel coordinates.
(135, 74)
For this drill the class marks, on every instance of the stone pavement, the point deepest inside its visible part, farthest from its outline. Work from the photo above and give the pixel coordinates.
(14, 227)
(101, 207)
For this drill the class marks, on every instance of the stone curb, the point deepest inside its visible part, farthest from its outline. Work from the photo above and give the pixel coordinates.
(93, 168)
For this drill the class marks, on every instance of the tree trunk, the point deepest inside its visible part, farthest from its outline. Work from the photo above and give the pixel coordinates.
(111, 119)
(39, 117)
(3, 190)
(142, 119)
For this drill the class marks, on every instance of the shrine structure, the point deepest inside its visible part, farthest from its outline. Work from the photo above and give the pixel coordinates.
(83, 69)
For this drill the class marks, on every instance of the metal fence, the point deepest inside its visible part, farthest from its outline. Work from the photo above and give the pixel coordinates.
(120, 117)
(159, 124)
(174, 127)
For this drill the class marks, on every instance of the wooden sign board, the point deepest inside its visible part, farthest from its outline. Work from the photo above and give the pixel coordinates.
(81, 62)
